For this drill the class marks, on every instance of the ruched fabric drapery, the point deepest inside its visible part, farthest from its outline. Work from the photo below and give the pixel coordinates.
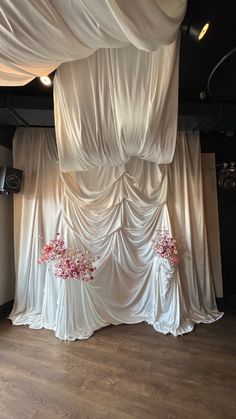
(114, 212)
(37, 36)
(117, 104)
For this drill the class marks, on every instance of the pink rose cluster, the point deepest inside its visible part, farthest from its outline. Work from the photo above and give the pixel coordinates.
(165, 247)
(75, 264)
(52, 250)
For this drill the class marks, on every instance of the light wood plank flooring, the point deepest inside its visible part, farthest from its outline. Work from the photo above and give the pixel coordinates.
(121, 372)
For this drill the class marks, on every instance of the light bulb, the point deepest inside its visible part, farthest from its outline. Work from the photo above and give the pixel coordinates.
(203, 31)
(46, 80)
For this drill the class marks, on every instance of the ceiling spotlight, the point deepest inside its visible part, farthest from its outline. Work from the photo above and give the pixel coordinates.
(195, 26)
(198, 28)
(46, 81)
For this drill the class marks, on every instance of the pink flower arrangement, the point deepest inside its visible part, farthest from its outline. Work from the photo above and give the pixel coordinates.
(52, 250)
(76, 264)
(165, 247)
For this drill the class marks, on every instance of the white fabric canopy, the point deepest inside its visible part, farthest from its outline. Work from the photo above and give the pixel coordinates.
(114, 212)
(39, 35)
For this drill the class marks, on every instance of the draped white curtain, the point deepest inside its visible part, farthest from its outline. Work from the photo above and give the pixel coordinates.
(114, 212)
(186, 211)
(39, 35)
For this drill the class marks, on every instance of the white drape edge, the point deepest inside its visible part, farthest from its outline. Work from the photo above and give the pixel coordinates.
(37, 211)
(76, 29)
(186, 209)
(131, 285)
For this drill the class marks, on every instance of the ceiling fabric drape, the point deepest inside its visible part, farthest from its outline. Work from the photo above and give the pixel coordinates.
(37, 36)
(116, 104)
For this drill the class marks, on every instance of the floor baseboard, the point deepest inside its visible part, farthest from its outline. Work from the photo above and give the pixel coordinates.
(230, 302)
(5, 309)
(220, 304)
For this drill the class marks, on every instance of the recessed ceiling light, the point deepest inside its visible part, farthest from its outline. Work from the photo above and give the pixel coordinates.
(46, 81)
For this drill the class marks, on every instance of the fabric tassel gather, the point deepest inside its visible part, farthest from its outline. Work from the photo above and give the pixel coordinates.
(70, 264)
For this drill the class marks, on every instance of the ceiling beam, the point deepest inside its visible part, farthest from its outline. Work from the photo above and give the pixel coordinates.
(29, 111)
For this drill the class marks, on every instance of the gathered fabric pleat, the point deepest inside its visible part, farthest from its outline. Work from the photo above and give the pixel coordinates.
(115, 105)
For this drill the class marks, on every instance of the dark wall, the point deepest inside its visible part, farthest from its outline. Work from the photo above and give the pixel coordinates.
(6, 135)
(224, 147)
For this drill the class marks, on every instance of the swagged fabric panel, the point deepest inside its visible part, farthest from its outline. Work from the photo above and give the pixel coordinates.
(117, 104)
(37, 36)
(114, 212)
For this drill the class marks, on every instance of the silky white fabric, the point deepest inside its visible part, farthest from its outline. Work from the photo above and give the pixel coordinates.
(39, 35)
(186, 211)
(114, 212)
(37, 211)
(117, 104)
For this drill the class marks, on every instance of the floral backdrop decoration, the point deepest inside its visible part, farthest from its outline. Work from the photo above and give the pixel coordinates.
(70, 264)
(165, 247)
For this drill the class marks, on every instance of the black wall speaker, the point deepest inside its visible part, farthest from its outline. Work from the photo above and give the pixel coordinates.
(10, 179)
(227, 176)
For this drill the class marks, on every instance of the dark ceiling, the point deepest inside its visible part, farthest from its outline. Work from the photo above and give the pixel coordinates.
(32, 104)
(198, 59)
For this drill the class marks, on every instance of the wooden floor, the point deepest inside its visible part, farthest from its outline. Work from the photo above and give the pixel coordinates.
(121, 372)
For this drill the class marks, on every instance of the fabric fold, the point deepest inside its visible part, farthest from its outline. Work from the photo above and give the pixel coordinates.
(124, 104)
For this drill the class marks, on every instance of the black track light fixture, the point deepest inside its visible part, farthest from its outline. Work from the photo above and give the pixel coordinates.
(195, 27)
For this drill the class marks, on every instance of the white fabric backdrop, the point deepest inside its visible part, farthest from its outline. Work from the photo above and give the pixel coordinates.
(116, 115)
(39, 35)
(114, 212)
